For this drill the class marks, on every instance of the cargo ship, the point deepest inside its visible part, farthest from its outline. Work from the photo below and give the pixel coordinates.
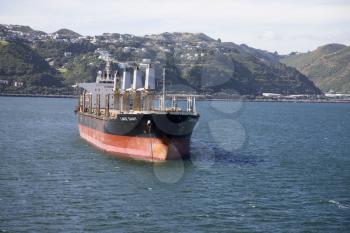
(122, 114)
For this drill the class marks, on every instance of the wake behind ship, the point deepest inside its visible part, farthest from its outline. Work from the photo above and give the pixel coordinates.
(117, 114)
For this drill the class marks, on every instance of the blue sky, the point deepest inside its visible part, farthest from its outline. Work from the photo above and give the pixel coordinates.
(282, 26)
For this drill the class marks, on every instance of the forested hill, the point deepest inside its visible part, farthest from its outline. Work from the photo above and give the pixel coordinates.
(195, 62)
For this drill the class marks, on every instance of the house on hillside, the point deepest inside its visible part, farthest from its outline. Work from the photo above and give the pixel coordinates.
(271, 94)
(68, 54)
(4, 82)
(18, 84)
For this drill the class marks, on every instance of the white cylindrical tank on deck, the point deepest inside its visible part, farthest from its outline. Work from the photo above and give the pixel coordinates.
(150, 78)
(137, 81)
(126, 83)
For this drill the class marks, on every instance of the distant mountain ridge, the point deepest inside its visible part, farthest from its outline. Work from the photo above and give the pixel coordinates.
(21, 29)
(195, 62)
(66, 33)
(181, 36)
(328, 66)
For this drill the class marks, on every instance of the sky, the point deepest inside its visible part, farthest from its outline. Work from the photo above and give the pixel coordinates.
(284, 26)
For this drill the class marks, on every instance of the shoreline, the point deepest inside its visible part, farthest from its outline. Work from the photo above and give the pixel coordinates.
(38, 95)
(325, 101)
(199, 99)
(321, 101)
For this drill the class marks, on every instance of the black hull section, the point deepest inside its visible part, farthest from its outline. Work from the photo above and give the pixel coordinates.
(142, 125)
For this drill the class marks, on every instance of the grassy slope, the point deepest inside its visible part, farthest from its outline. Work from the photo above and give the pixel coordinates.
(328, 66)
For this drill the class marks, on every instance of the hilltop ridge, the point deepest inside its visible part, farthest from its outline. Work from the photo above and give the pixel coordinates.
(67, 33)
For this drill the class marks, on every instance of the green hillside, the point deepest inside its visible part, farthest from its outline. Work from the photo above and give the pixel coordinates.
(225, 67)
(327, 66)
(19, 62)
(245, 74)
(56, 49)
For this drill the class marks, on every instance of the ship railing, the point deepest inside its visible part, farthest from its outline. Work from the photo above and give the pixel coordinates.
(108, 108)
(190, 103)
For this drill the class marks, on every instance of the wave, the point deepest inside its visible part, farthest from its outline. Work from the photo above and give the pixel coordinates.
(339, 205)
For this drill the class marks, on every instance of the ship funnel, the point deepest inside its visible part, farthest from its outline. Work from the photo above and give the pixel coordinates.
(137, 81)
(150, 78)
(126, 80)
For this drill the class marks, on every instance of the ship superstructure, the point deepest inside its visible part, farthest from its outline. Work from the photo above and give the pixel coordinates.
(122, 114)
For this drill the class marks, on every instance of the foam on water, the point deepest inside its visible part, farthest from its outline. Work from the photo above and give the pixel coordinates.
(339, 205)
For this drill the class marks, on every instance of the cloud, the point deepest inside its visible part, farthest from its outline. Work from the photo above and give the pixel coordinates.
(255, 21)
(269, 35)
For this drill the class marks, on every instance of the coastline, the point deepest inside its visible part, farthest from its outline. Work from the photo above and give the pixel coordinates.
(325, 101)
(243, 99)
(38, 95)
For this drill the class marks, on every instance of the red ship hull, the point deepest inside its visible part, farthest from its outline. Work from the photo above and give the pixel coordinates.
(141, 148)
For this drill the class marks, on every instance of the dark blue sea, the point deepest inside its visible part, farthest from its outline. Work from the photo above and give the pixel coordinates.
(255, 167)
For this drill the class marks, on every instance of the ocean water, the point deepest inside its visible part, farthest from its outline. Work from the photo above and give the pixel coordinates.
(255, 167)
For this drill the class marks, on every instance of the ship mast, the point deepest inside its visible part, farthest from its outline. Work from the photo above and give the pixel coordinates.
(163, 98)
